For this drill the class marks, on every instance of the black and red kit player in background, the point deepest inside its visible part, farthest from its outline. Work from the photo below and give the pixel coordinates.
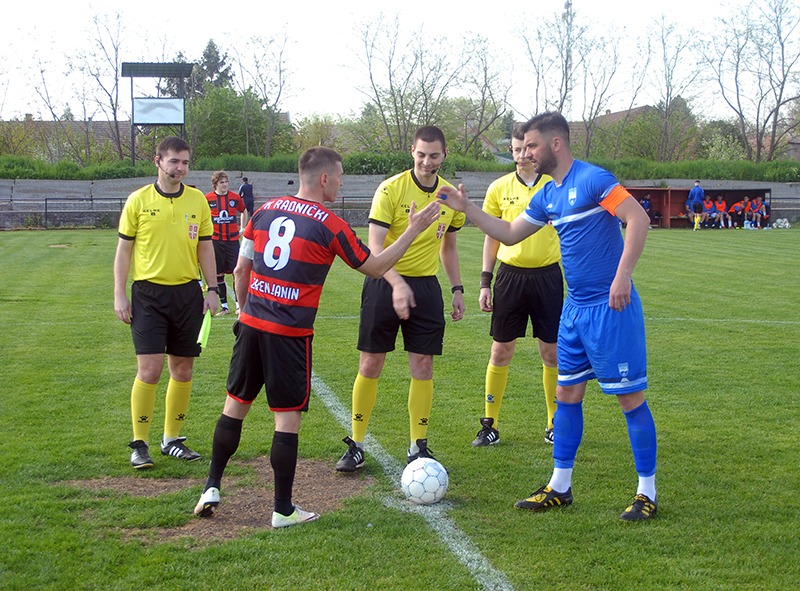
(287, 251)
(226, 206)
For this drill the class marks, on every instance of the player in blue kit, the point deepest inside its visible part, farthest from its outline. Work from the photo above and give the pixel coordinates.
(601, 335)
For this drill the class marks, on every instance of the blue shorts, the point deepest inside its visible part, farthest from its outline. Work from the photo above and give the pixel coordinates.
(598, 342)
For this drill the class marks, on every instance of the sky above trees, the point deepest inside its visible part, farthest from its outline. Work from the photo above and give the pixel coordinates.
(325, 65)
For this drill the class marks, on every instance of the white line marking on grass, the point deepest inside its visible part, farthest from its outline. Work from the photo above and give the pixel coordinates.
(755, 321)
(723, 320)
(458, 543)
(647, 318)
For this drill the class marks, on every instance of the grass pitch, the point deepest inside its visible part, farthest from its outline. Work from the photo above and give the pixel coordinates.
(723, 322)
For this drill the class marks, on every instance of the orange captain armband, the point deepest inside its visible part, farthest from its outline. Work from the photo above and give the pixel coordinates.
(615, 196)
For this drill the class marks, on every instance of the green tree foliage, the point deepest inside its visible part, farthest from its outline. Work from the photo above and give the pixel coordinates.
(365, 133)
(644, 136)
(318, 130)
(637, 138)
(210, 71)
(678, 131)
(215, 122)
(17, 138)
(721, 140)
(216, 126)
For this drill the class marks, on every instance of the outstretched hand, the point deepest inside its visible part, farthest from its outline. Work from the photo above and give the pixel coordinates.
(418, 221)
(457, 199)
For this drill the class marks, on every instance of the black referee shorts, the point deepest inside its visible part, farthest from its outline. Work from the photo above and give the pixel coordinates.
(522, 294)
(166, 318)
(423, 331)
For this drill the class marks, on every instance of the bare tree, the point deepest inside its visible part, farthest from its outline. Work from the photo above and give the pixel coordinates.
(393, 97)
(408, 82)
(600, 62)
(554, 59)
(102, 65)
(755, 59)
(675, 78)
(53, 142)
(4, 84)
(486, 93)
(239, 81)
(638, 76)
(264, 70)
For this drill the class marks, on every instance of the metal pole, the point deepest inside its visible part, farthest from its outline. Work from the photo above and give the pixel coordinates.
(133, 133)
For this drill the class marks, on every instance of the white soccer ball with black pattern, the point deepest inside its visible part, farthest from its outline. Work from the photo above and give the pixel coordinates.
(424, 481)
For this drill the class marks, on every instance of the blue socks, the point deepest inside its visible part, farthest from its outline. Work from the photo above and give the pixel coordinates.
(568, 430)
(642, 433)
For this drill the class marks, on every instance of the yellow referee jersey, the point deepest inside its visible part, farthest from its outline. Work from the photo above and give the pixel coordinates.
(165, 230)
(390, 207)
(506, 198)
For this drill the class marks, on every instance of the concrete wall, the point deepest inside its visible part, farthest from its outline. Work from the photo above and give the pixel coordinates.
(51, 204)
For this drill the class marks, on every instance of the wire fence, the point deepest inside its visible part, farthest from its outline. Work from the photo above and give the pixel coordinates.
(104, 212)
(92, 212)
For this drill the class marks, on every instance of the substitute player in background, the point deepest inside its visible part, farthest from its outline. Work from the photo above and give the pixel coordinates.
(165, 230)
(529, 286)
(288, 248)
(409, 296)
(225, 209)
(246, 193)
(694, 205)
(601, 334)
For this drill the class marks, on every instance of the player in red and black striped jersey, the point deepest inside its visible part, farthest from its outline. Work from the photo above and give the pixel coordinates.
(289, 245)
(225, 209)
(298, 240)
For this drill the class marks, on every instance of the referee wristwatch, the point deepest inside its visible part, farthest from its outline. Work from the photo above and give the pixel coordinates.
(215, 289)
(456, 288)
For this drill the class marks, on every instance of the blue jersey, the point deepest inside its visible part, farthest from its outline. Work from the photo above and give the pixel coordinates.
(696, 195)
(591, 237)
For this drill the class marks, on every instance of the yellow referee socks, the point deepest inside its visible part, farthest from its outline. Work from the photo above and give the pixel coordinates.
(143, 401)
(496, 381)
(177, 404)
(550, 381)
(365, 393)
(420, 401)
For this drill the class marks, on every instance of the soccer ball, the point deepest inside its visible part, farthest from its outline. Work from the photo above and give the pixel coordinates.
(424, 481)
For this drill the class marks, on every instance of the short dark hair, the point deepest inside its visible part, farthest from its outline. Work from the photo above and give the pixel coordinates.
(548, 122)
(430, 133)
(518, 131)
(244, 179)
(317, 160)
(172, 143)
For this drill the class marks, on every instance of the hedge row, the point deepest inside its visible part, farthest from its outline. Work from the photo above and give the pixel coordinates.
(12, 167)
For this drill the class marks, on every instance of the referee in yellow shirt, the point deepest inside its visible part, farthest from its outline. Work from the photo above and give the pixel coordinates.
(529, 287)
(408, 298)
(164, 234)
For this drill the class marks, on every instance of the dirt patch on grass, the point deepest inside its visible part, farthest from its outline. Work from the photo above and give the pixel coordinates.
(317, 487)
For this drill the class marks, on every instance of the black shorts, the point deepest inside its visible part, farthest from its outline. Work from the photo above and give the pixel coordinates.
(697, 207)
(282, 364)
(166, 318)
(226, 254)
(521, 294)
(423, 332)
